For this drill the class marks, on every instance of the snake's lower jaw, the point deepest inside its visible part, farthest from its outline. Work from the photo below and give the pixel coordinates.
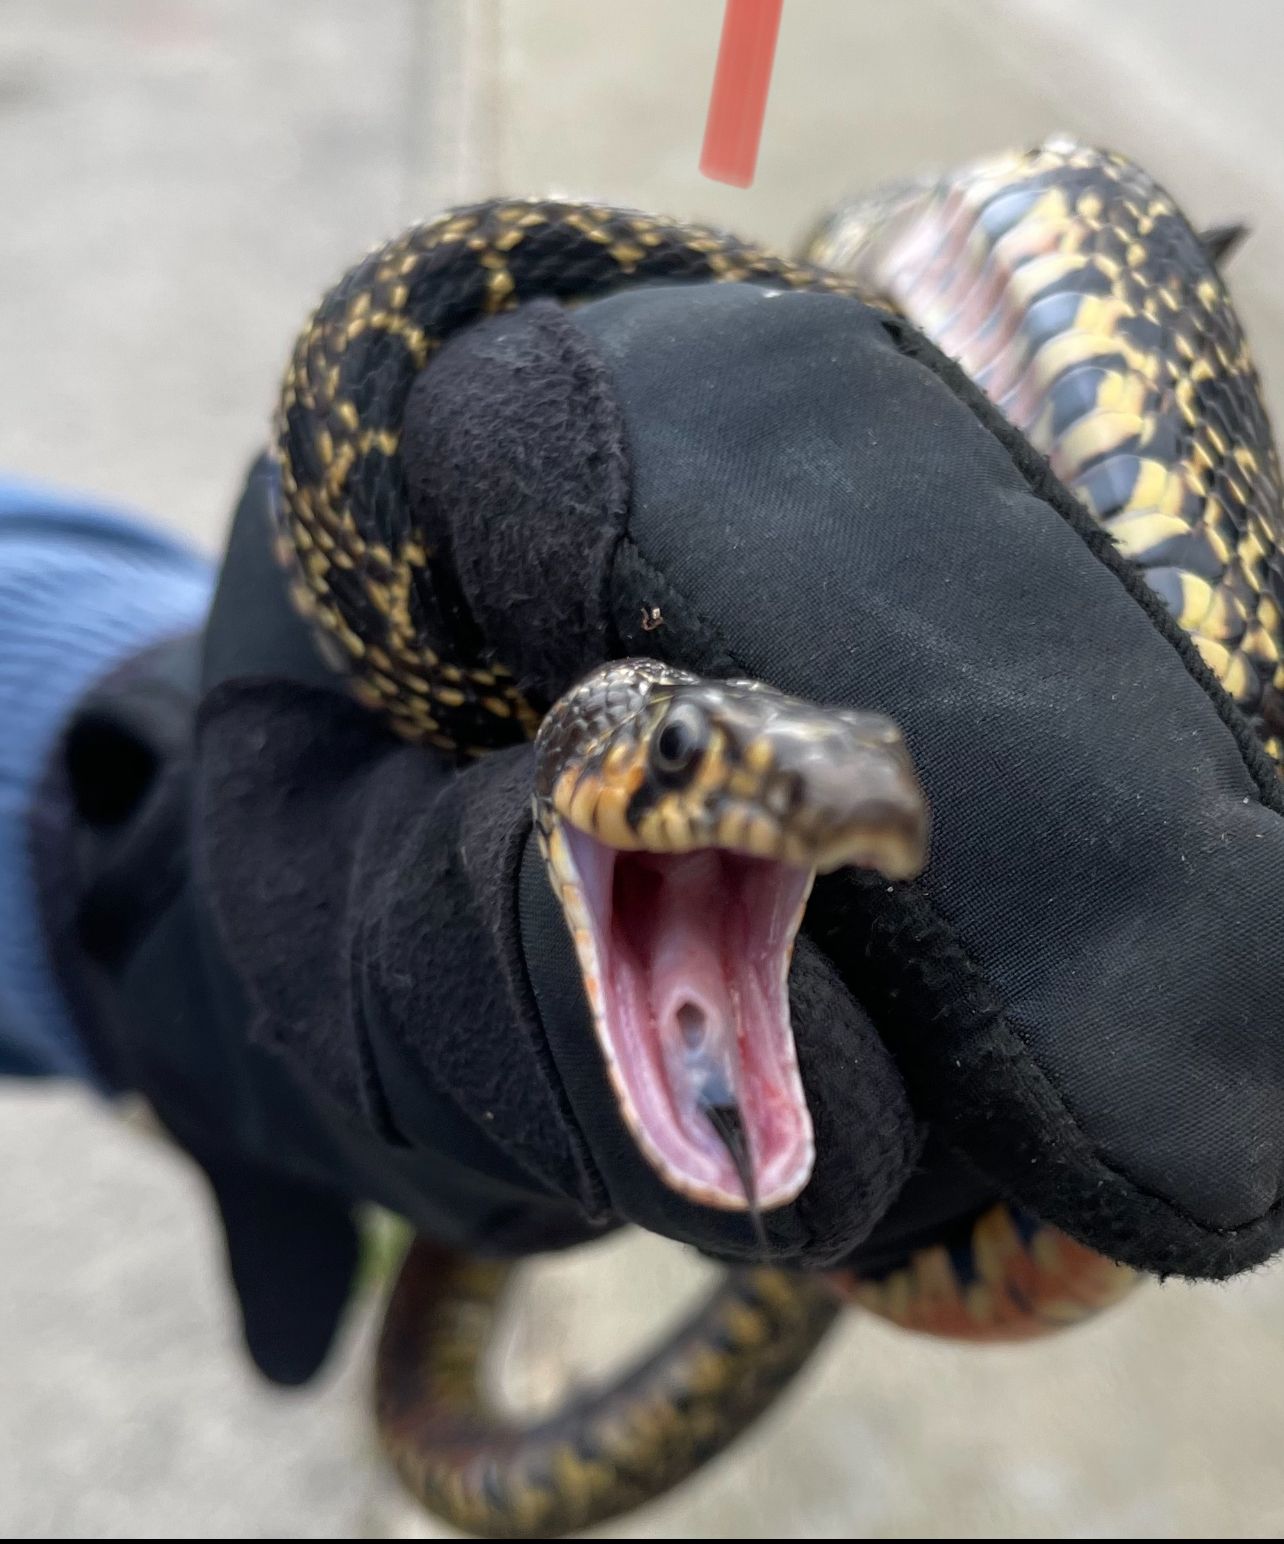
(685, 959)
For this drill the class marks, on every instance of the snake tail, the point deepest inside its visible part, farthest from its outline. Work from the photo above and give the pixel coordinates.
(1221, 242)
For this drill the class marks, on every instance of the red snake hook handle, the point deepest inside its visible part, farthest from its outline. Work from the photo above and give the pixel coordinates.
(740, 83)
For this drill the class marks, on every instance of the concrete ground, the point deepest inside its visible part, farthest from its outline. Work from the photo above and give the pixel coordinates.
(178, 183)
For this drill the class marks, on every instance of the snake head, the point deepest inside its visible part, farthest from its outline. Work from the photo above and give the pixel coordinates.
(683, 821)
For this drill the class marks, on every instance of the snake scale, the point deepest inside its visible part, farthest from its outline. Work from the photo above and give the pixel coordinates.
(1071, 288)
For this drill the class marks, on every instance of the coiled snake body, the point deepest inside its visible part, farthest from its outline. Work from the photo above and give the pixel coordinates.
(1073, 291)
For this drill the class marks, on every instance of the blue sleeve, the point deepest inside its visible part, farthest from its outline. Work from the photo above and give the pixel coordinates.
(82, 587)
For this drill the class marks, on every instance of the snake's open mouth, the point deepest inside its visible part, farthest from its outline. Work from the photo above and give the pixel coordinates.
(687, 957)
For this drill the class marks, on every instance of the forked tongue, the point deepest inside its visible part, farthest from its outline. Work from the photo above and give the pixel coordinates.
(728, 1122)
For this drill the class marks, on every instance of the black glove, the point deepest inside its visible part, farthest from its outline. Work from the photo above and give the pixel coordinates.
(1081, 992)
(356, 979)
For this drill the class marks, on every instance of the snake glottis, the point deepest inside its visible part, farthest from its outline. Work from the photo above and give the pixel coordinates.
(1073, 291)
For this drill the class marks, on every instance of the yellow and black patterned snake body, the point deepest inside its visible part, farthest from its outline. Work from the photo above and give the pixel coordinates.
(1071, 288)
(365, 575)
(1073, 291)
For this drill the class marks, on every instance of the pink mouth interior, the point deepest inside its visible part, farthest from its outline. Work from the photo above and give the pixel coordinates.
(692, 1009)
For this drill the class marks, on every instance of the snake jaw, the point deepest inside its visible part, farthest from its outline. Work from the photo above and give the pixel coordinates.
(685, 960)
(683, 821)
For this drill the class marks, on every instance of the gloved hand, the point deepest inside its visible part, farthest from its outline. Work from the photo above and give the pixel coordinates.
(358, 985)
(817, 498)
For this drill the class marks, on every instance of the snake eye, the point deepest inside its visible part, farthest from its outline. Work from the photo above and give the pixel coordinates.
(680, 741)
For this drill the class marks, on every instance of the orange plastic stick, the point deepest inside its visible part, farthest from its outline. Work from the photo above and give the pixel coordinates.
(739, 101)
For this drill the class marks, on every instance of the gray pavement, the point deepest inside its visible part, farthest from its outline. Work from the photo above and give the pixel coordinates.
(178, 182)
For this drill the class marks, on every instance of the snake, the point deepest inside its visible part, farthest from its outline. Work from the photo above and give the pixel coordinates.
(1075, 293)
